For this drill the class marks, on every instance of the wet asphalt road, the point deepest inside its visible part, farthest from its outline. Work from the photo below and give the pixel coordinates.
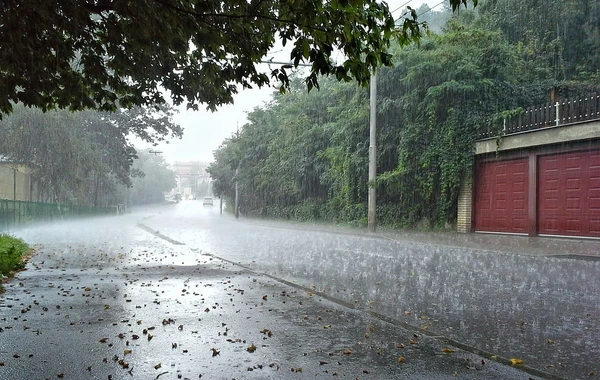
(161, 294)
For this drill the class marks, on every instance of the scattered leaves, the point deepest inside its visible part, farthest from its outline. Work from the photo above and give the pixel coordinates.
(516, 361)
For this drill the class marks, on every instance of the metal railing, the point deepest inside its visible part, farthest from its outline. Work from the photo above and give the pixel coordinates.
(548, 115)
(15, 214)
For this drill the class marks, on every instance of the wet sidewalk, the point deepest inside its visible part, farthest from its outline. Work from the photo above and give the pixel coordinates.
(544, 246)
(507, 243)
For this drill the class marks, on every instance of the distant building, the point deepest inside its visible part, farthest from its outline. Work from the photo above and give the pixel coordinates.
(192, 179)
(16, 181)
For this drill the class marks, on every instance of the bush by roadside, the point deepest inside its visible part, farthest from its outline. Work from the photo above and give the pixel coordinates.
(12, 256)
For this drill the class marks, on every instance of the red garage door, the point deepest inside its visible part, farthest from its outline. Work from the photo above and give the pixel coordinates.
(501, 196)
(569, 194)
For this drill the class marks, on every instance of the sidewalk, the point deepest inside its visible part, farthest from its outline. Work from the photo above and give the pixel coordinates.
(544, 246)
(515, 244)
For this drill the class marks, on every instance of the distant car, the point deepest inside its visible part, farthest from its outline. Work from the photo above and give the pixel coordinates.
(208, 201)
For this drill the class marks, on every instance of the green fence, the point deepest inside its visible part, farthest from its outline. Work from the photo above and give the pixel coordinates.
(15, 214)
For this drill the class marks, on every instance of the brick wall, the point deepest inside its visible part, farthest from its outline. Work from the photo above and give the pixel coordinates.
(465, 206)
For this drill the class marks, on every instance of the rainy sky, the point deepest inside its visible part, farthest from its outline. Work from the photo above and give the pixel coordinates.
(204, 131)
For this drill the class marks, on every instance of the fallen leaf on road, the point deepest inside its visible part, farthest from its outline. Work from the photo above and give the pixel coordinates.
(251, 349)
(516, 361)
(347, 351)
(215, 352)
(447, 350)
(401, 359)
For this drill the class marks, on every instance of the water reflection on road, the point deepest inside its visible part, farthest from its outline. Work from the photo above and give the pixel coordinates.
(542, 309)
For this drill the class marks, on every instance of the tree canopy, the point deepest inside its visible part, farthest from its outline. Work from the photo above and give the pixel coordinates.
(82, 157)
(305, 155)
(99, 54)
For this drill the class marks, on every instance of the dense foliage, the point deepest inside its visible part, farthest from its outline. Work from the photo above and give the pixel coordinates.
(557, 37)
(305, 155)
(152, 179)
(82, 157)
(80, 54)
(12, 251)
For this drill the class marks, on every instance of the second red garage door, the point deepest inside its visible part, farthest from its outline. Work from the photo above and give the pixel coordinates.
(569, 194)
(501, 196)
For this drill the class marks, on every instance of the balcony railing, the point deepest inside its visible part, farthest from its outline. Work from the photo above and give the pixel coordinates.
(563, 112)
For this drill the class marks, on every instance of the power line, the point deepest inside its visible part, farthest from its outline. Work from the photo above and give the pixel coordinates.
(422, 13)
(402, 6)
(432, 8)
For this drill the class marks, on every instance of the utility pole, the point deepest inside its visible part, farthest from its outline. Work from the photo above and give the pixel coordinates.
(237, 209)
(237, 172)
(372, 205)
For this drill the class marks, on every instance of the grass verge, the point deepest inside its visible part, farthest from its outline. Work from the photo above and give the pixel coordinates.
(13, 252)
